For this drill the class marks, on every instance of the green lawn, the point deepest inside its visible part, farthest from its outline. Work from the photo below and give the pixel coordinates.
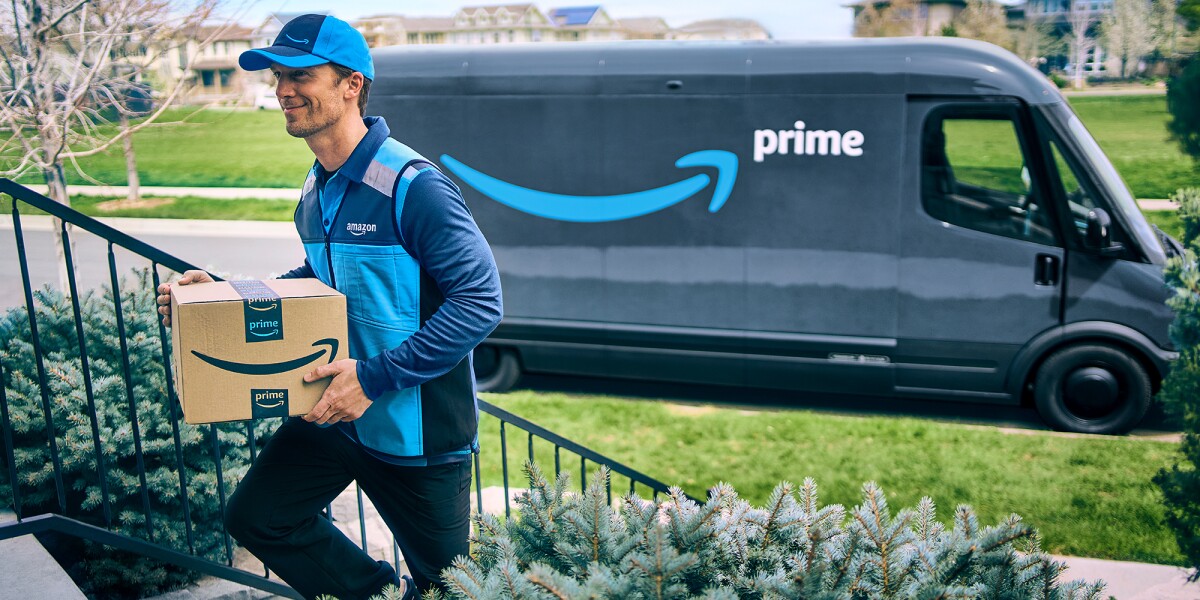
(1088, 496)
(1167, 220)
(1132, 131)
(215, 148)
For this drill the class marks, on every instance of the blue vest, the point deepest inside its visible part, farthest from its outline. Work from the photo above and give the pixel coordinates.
(388, 296)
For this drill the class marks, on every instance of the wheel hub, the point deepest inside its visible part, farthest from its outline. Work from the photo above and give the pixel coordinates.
(1091, 391)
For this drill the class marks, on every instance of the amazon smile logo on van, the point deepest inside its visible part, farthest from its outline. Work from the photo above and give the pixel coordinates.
(272, 368)
(596, 209)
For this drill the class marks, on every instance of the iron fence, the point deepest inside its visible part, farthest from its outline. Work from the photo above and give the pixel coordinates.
(112, 524)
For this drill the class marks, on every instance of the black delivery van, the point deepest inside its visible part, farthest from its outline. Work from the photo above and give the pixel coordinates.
(918, 218)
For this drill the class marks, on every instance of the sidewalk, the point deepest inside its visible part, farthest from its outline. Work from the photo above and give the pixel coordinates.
(1132, 581)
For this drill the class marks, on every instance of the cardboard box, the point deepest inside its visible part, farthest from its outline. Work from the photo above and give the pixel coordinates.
(241, 348)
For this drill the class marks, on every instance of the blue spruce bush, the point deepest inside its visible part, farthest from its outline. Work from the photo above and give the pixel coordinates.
(104, 572)
(1180, 394)
(578, 546)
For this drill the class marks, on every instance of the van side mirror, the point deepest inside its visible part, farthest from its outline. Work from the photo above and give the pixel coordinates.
(1099, 233)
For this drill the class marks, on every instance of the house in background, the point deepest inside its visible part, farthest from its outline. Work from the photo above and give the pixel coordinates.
(207, 62)
(584, 24)
(208, 59)
(503, 24)
(645, 28)
(525, 23)
(721, 29)
(425, 30)
(1057, 16)
(931, 18)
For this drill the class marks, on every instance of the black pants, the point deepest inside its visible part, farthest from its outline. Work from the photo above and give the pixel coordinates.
(275, 513)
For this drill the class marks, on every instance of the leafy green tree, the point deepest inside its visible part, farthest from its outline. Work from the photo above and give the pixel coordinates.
(984, 20)
(1190, 11)
(579, 546)
(1183, 102)
(1181, 391)
(106, 573)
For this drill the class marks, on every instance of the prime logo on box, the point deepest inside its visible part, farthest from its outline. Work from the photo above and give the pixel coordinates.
(268, 403)
(263, 309)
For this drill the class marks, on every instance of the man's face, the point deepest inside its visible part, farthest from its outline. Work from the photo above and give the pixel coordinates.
(311, 97)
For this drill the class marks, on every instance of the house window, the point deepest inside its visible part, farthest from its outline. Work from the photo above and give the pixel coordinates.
(414, 38)
(207, 78)
(226, 76)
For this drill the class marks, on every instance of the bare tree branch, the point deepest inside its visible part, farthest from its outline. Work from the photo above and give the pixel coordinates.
(68, 12)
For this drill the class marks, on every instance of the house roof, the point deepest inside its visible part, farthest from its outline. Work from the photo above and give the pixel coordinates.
(644, 24)
(427, 23)
(220, 33)
(492, 8)
(573, 15)
(713, 24)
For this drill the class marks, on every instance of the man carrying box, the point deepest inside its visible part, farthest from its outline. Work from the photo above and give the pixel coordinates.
(382, 225)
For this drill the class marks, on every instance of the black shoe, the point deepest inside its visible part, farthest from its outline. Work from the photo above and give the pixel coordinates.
(410, 588)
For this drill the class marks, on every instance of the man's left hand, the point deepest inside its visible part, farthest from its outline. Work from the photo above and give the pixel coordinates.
(344, 399)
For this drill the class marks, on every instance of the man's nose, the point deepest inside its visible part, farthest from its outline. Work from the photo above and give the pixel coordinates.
(283, 89)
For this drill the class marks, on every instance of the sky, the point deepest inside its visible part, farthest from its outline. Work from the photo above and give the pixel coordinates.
(785, 19)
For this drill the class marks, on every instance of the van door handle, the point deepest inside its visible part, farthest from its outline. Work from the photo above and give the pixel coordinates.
(1045, 270)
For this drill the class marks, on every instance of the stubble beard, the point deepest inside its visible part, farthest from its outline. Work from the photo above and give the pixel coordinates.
(314, 123)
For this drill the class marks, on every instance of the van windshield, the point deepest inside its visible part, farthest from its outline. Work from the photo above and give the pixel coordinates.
(1118, 192)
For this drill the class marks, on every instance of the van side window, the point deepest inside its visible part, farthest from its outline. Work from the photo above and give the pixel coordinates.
(974, 175)
(1079, 200)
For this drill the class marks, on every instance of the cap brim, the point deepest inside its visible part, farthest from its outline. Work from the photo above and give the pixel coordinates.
(262, 58)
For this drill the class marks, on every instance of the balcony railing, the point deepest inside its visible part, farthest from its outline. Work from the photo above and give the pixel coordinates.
(106, 504)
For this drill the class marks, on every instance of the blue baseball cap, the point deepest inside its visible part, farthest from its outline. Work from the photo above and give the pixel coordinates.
(311, 40)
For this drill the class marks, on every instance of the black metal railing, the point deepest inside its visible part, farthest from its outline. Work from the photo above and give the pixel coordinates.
(148, 536)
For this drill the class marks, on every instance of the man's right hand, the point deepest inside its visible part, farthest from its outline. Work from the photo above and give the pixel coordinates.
(164, 292)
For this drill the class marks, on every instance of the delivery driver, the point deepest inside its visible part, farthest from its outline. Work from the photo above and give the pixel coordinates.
(385, 227)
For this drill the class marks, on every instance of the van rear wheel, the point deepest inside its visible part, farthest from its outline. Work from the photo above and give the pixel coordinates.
(1092, 388)
(496, 369)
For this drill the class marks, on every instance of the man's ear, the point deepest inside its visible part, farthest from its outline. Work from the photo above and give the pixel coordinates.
(355, 85)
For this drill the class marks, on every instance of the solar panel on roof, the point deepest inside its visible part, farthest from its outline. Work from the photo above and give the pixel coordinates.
(575, 15)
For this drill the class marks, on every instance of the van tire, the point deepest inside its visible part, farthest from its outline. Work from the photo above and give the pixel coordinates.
(1092, 388)
(496, 369)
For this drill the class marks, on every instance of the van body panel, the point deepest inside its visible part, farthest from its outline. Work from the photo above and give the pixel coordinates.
(1099, 287)
(867, 66)
(968, 300)
(818, 266)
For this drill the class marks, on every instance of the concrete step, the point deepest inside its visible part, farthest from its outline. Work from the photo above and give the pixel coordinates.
(28, 571)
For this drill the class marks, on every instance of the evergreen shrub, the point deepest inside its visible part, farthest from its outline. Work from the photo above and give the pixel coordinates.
(1180, 393)
(1183, 102)
(103, 572)
(578, 546)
